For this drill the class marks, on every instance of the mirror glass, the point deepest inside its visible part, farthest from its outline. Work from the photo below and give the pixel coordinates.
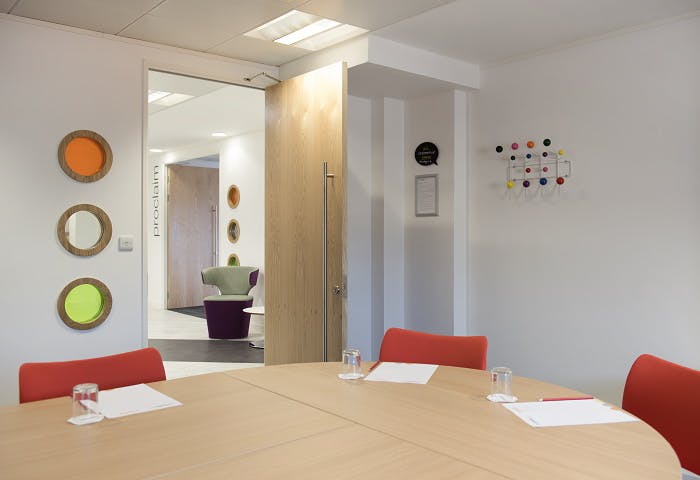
(234, 231)
(83, 229)
(233, 196)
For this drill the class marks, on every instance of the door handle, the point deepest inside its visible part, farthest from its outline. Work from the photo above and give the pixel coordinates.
(339, 290)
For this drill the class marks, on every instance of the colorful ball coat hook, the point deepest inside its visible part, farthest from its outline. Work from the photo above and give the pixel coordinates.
(530, 144)
(512, 157)
(526, 183)
(528, 170)
(499, 149)
(560, 181)
(544, 154)
(510, 184)
(560, 152)
(529, 155)
(545, 169)
(546, 142)
(543, 181)
(514, 146)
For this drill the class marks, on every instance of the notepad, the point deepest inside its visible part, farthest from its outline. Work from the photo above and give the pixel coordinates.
(401, 373)
(123, 401)
(568, 412)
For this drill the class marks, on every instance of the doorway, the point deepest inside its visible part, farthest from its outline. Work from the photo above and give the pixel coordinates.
(203, 136)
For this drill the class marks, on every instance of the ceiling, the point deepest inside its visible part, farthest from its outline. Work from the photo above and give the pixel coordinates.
(214, 107)
(477, 31)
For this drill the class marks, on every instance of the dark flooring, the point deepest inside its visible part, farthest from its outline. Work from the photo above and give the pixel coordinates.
(207, 351)
(193, 311)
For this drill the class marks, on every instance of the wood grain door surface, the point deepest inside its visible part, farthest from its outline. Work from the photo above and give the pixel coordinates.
(305, 127)
(192, 194)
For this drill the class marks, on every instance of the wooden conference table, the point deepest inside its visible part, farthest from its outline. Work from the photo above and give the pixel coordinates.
(302, 422)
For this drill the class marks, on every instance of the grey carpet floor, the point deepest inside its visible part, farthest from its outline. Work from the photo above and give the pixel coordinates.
(207, 351)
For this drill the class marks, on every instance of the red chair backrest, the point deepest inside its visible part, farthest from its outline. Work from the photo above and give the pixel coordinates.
(667, 396)
(408, 346)
(38, 381)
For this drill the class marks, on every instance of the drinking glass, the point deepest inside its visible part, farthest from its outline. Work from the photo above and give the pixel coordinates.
(350, 369)
(85, 404)
(501, 379)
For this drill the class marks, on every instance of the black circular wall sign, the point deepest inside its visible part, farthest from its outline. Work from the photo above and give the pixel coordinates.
(427, 153)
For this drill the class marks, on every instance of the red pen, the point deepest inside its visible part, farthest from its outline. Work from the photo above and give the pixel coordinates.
(556, 399)
(373, 366)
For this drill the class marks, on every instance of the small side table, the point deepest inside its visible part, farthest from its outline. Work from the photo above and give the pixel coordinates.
(258, 310)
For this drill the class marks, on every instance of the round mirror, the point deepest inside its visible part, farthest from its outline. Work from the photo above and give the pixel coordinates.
(84, 303)
(84, 156)
(234, 231)
(233, 260)
(234, 196)
(84, 230)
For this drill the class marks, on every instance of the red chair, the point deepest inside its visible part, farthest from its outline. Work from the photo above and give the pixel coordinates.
(667, 396)
(408, 346)
(38, 381)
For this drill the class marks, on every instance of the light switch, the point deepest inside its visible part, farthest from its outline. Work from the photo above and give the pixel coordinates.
(126, 243)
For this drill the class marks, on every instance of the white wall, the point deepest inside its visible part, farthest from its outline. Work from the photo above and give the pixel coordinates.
(57, 80)
(571, 285)
(358, 229)
(242, 163)
(429, 240)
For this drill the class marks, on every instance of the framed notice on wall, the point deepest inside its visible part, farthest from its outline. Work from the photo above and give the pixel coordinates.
(427, 195)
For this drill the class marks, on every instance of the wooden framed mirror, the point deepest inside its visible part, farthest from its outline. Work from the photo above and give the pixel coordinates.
(233, 231)
(84, 303)
(84, 230)
(85, 156)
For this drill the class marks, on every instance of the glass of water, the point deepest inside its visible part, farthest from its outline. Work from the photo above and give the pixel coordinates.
(501, 380)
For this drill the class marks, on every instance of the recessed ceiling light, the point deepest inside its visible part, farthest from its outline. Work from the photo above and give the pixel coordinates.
(154, 95)
(172, 99)
(308, 31)
(218, 134)
(155, 150)
(304, 30)
(330, 37)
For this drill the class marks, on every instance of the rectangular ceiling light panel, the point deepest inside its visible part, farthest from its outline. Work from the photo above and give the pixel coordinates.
(306, 31)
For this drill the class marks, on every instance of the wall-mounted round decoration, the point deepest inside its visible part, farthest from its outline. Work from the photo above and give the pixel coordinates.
(233, 196)
(84, 303)
(84, 230)
(233, 260)
(234, 231)
(85, 156)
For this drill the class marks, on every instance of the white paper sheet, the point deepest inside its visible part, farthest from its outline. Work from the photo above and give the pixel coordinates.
(568, 412)
(402, 372)
(141, 398)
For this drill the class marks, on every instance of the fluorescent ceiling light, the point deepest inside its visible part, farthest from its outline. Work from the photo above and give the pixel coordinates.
(308, 31)
(218, 134)
(330, 37)
(279, 27)
(304, 30)
(172, 99)
(155, 150)
(154, 95)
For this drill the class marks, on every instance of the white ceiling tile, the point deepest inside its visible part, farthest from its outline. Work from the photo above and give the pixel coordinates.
(106, 16)
(369, 14)
(177, 33)
(233, 16)
(260, 51)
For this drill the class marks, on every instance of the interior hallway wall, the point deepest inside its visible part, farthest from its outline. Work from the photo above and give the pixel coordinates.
(57, 80)
(242, 163)
(571, 284)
